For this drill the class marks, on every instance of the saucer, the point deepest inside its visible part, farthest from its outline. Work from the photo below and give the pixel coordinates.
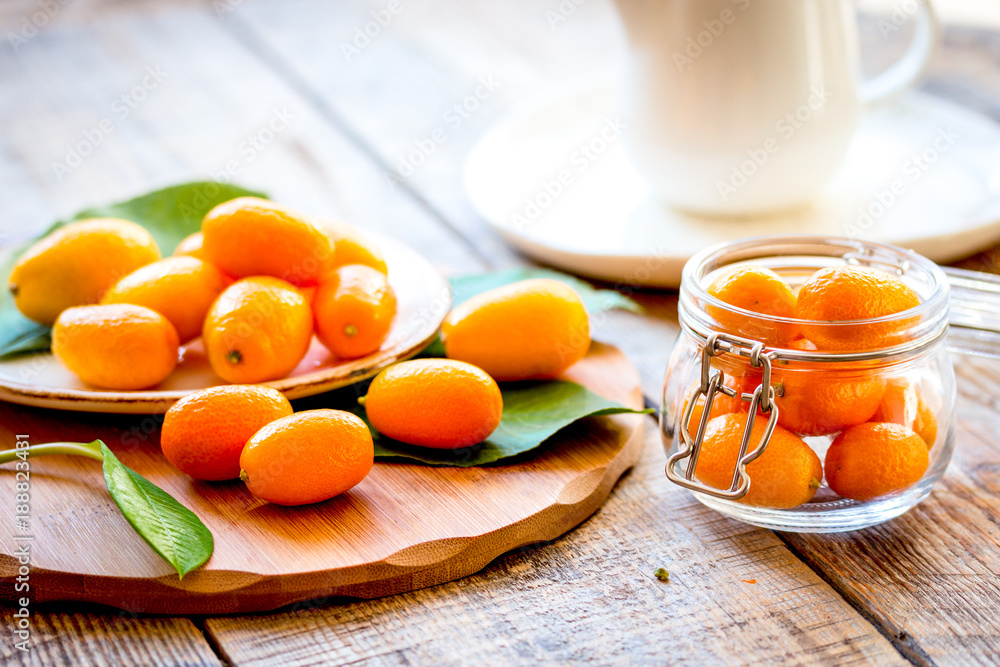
(556, 183)
(422, 300)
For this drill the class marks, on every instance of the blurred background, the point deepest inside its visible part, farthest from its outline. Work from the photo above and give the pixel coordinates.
(365, 110)
(971, 12)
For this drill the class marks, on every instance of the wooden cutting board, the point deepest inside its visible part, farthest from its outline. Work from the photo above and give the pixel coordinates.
(404, 527)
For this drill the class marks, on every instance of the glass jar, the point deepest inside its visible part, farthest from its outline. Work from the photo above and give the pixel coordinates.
(859, 409)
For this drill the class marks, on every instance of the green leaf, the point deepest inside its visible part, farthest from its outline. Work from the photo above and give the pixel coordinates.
(172, 213)
(434, 349)
(174, 531)
(532, 413)
(169, 214)
(19, 335)
(171, 529)
(464, 288)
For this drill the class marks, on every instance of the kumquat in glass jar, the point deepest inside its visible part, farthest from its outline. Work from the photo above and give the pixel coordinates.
(810, 388)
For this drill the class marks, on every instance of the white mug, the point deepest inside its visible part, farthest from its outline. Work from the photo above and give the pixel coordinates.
(746, 107)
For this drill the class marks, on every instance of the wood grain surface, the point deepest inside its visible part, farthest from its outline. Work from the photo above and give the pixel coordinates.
(101, 639)
(735, 595)
(921, 588)
(930, 580)
(404, 527)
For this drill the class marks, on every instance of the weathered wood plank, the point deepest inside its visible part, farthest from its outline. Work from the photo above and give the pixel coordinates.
(398, 91)
(90, 639)
(163, 95)
(396, 98)
(930, 580)
(421, 91)
(958, 72)
(392, 90)
(404, 527)
(395, 93)
(735, 596)
(195, 122)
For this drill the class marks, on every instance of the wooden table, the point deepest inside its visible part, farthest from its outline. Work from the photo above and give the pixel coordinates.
(923, 588)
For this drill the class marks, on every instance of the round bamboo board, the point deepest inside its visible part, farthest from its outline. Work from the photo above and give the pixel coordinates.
(404, 527)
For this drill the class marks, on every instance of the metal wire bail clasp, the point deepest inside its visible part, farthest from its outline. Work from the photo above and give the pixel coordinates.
(711, 384)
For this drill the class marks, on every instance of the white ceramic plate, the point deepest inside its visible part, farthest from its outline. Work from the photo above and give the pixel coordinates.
(602, 223)
(423, 297)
